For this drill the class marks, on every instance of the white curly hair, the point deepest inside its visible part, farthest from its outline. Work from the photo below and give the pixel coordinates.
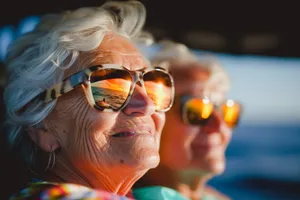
(37, 60)
(170, 54)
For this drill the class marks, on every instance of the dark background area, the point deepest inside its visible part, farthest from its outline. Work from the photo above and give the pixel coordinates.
(248, 27)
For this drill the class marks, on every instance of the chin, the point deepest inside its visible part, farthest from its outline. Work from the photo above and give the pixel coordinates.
(216, 167)
(147, 162)
(138, 152)
(146, 155)
(212, 166)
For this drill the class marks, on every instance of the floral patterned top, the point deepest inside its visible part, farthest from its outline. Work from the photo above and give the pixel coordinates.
(41, 190)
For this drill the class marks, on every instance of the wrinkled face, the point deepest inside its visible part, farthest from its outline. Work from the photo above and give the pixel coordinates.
(193, 147)
(95, 141)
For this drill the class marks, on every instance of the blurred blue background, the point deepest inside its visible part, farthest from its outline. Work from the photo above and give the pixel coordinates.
(263, 159)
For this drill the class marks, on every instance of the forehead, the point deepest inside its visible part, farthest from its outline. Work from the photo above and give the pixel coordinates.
(190, 79)
(195, 80)
(114, 49)
(117, 49)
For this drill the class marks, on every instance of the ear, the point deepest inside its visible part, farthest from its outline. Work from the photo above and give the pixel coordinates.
(43, 138)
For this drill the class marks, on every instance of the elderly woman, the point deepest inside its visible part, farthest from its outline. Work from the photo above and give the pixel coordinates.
(198, 127)
(85, 110)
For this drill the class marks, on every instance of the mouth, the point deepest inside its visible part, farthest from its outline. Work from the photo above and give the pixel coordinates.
(124, 134)
(207, 146)
(202, 150)
(132, 133)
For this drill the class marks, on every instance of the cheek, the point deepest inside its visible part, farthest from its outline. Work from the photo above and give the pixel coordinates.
(173, 132)
(159, 119)
(175, 143)
(84, 126)
(89, 142)
(227, 136)
(67, 118)
(94, 129)
(177, 129)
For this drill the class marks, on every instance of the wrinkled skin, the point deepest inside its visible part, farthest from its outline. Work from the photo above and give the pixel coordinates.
(88, 153)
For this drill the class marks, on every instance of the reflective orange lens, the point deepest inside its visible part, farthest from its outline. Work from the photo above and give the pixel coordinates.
(197, 110)
(231, 112)
(110, 87)
(159, 88)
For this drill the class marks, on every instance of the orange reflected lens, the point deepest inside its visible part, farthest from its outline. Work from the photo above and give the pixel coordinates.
(110, 87)
(159, 88)
(197, 110)
(231, 112)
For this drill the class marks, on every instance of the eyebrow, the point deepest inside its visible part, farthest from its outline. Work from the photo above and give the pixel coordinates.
(109, 57)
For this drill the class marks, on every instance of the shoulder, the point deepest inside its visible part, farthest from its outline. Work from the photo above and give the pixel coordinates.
(212, 192)
(46, 190)
(157, 193)
(32, 191)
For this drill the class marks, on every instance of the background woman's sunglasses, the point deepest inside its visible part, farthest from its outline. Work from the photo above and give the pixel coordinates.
(111, 86)
(198, 110)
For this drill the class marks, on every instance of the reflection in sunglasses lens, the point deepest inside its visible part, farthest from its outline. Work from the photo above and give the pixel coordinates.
(231, 113)
(110, 87)
(158, 86)
(198, 110)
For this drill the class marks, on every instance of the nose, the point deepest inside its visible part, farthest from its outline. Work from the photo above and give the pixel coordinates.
(140, 103)
(213, 124)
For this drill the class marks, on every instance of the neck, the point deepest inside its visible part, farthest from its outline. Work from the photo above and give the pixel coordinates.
(119, 180)
(190, 183)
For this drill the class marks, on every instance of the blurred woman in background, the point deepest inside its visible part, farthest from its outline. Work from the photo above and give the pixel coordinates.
(198, 127)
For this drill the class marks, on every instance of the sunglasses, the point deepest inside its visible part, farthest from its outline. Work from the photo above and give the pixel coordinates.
(111, 86)
(198, 110)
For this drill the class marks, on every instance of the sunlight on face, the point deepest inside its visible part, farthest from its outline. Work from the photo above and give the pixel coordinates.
(159, 93)
(108, 143)
(186, 146)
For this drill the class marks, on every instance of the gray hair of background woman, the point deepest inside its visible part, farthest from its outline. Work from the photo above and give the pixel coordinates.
(38, 59)
(170, 53)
